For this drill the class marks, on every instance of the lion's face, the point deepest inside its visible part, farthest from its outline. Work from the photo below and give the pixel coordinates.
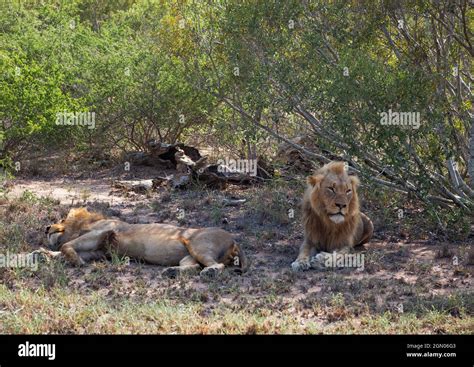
(54, 233)
(334, 195)
(69, 228)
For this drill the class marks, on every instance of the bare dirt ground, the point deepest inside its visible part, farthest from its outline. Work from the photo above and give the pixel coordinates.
(411, 282)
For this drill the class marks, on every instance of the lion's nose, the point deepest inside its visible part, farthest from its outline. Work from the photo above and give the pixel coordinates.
(341, 206)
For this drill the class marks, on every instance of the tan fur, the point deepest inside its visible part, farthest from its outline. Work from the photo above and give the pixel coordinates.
(77, 222)
(331, 217)
(184, 249)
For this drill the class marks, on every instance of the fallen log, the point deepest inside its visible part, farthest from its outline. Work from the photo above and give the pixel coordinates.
(191, 167)
(138, 186)
(162, 155)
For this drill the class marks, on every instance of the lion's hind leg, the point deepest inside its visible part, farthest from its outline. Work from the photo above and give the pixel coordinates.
(368, 230)
(187, 265)
(211, 266)
(209, 250)
(212, 271)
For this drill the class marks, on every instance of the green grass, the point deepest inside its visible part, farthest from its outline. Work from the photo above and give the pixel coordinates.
(60, 311)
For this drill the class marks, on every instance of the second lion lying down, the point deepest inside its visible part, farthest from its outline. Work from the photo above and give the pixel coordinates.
(84, 235)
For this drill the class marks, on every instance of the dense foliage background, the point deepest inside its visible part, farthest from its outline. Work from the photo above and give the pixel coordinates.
(259, 72)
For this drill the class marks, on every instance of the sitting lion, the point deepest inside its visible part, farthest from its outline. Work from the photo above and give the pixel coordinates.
(331, 217)
(84, 235)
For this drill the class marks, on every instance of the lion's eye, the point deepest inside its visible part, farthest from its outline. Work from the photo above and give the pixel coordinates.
(348, 191)
(331, 189)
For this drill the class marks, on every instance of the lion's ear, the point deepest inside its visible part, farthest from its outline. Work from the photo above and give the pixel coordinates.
(355, 181)
(315, 180)
(58, 227)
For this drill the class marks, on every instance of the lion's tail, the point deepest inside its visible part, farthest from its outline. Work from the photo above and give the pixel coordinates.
(244, 262)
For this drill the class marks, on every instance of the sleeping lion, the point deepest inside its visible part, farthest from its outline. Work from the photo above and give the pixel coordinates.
(331, 217)
(84, 236)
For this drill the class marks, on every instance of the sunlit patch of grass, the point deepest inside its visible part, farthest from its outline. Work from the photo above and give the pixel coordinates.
(61, 311)
(454, 304)
(433, 322)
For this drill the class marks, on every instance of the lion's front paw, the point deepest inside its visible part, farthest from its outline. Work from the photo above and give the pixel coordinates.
(319, 261)
(212, 271)
(39, 256)
(42, 255)
(301, 265)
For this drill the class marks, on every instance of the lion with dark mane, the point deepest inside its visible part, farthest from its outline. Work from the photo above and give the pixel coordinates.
(84, 236)
(331, 216)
